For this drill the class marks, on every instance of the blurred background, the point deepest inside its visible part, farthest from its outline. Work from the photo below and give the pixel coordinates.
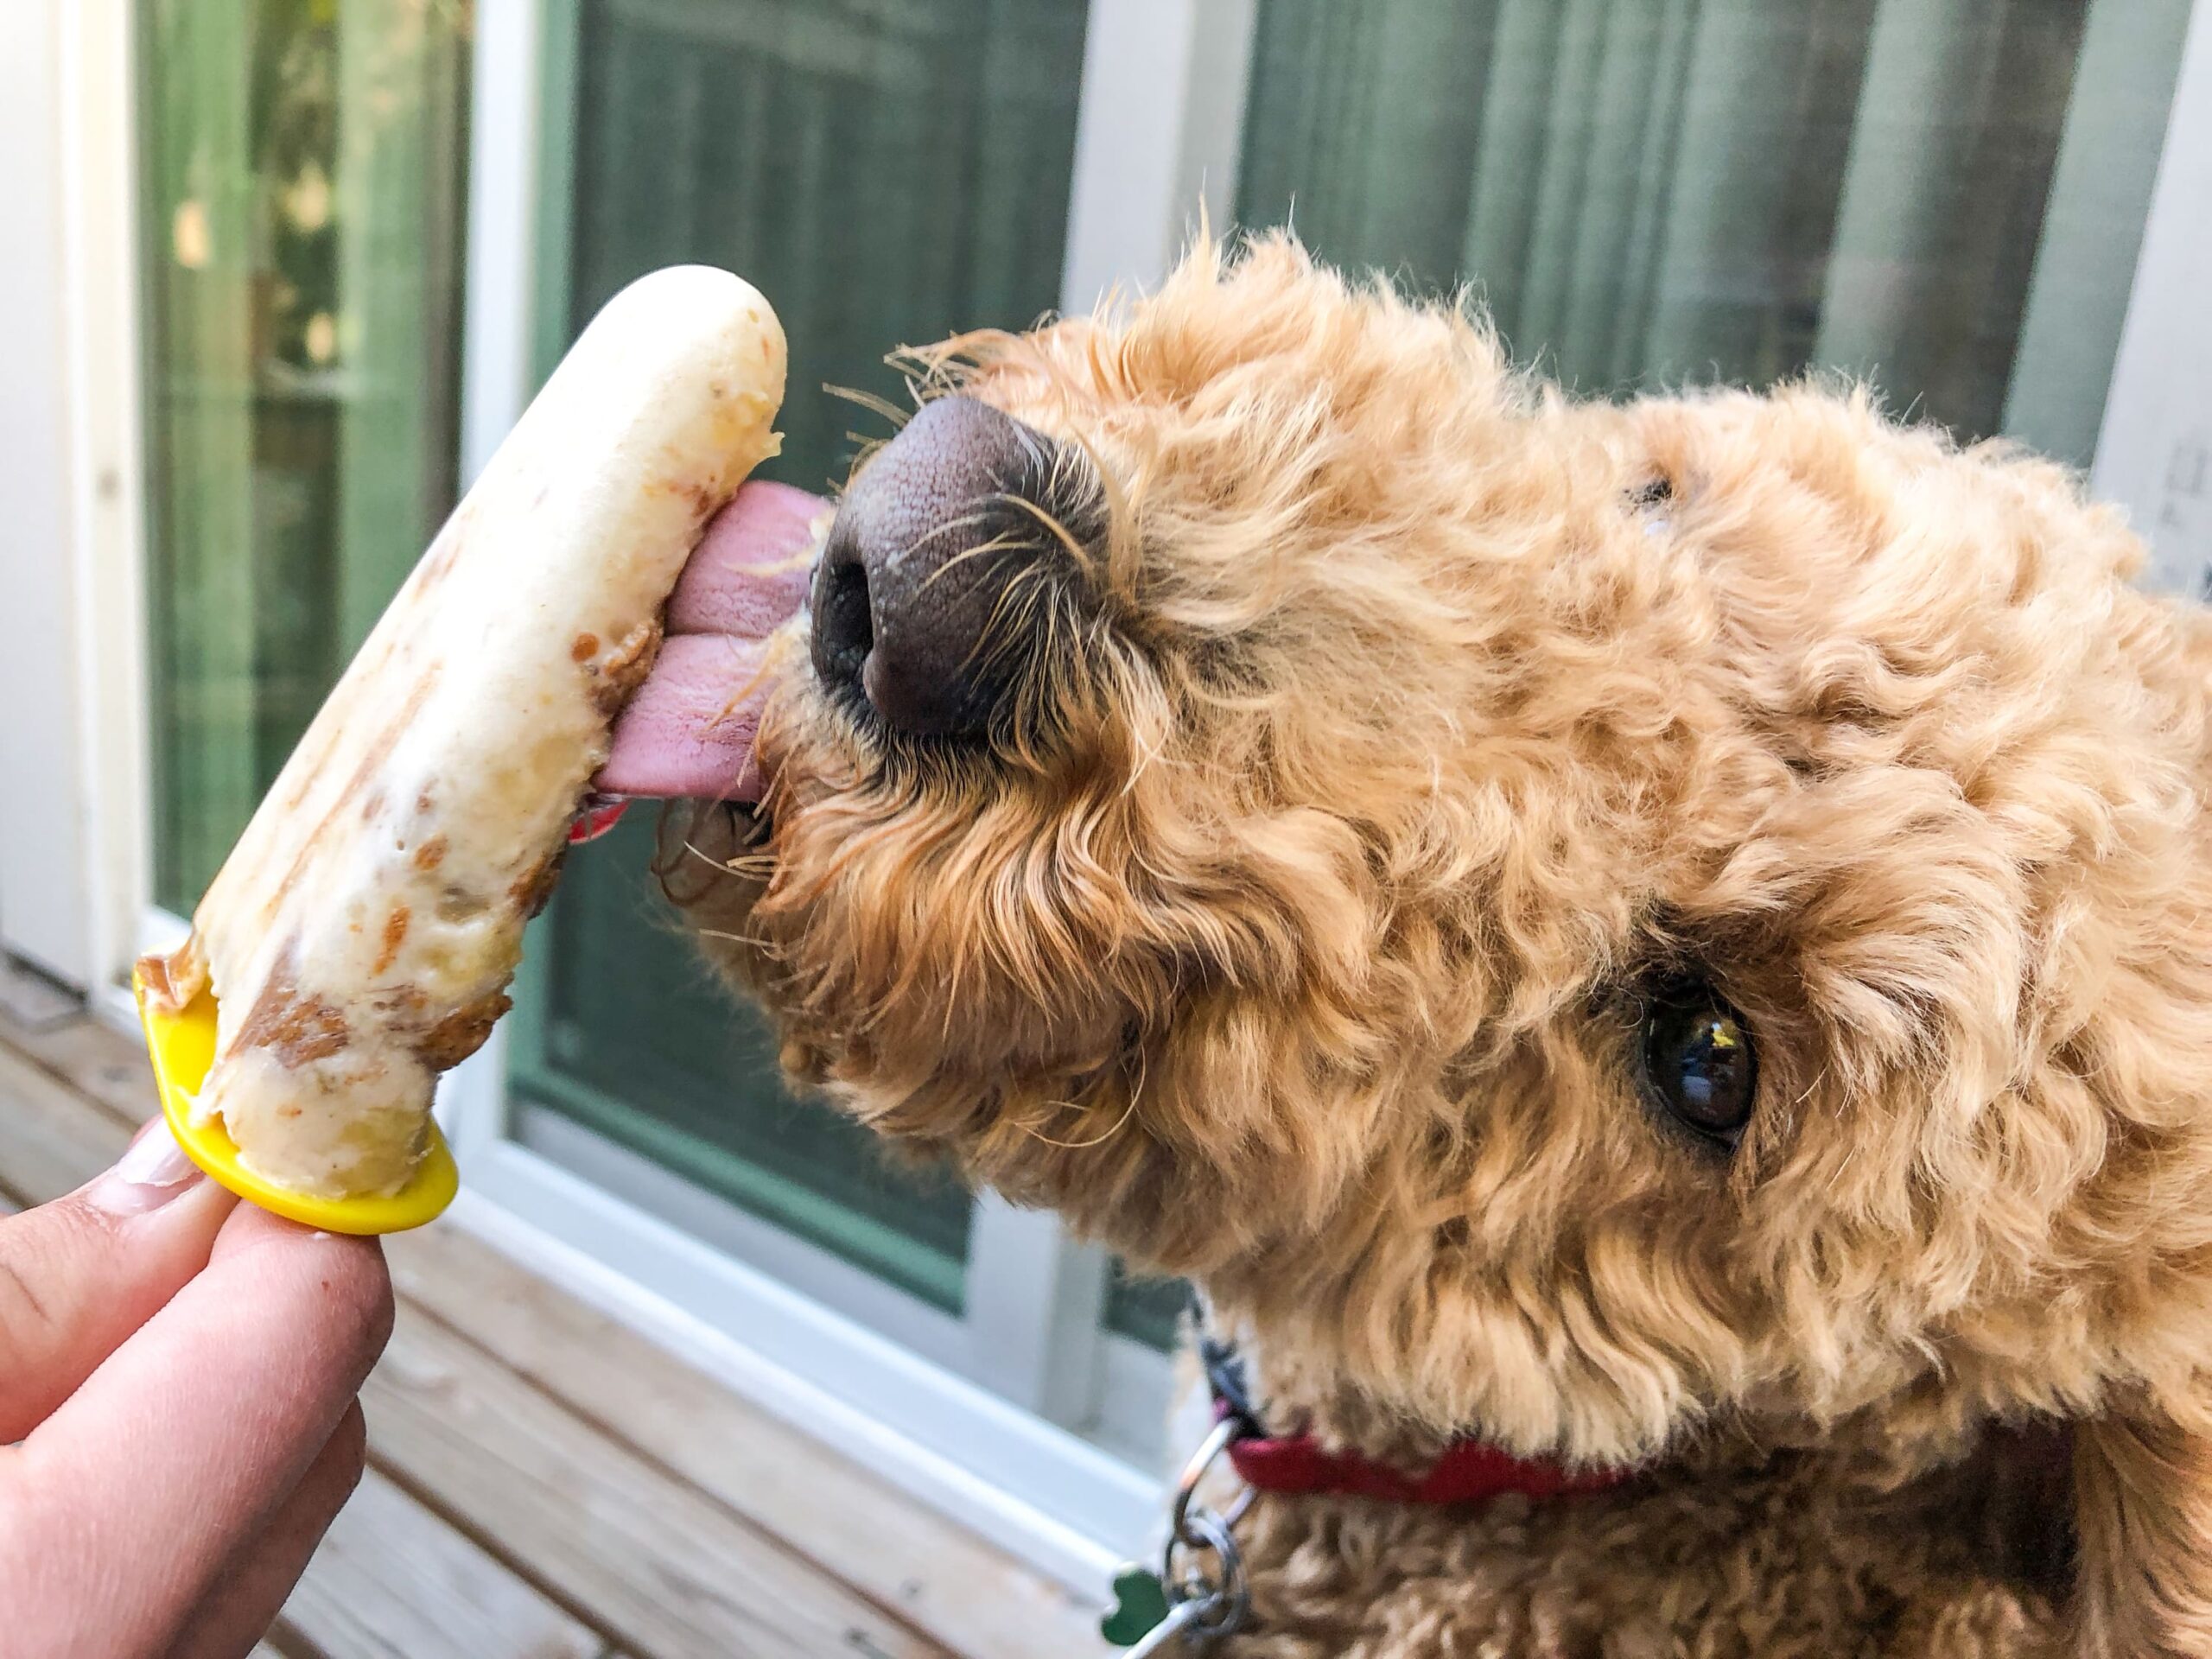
(280, 273)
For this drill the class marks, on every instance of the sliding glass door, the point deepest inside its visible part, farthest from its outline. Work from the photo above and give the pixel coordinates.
(886, 175)
(301, 167)
(1945, 196)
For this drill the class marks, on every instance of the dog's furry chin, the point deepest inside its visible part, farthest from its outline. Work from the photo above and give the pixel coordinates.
(1394, 734)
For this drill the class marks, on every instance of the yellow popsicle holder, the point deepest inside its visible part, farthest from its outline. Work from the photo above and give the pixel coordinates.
(183, 1047)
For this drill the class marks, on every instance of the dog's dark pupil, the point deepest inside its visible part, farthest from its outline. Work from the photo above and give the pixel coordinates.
(1697, 1059)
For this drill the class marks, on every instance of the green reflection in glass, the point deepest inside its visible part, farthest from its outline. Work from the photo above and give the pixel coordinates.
(886, 176)
(301, 211)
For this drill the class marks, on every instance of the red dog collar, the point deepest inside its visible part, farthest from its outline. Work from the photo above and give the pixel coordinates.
(1469, 1472)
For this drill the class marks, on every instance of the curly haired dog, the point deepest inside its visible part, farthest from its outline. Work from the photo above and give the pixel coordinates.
(1672, 938)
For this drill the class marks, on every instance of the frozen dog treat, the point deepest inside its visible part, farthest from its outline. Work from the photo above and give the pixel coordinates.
(360, 936)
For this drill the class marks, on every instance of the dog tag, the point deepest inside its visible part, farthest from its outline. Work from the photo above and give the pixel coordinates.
(1139, 1605)
(1164, 1637)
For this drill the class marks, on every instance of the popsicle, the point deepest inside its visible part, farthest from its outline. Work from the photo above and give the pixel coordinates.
(360, 936)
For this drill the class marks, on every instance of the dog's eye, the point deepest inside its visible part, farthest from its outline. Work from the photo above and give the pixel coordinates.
(1698, 1063)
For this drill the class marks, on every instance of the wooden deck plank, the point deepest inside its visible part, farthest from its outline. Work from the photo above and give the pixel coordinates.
(100, 1063)
(675, 1574)
(394, 1581)
(430, 1593)
(31, 1000)
(962, 1591)
(54, 1141)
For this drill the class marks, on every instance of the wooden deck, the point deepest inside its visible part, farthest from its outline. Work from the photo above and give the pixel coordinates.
(544, 1482)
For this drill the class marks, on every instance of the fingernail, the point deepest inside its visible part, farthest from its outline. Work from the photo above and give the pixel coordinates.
(150, 1173)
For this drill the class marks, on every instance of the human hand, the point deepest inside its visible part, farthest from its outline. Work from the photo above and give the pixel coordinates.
(181, 1372)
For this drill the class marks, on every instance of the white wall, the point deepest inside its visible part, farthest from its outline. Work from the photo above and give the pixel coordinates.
(42, 831)
(73, 820)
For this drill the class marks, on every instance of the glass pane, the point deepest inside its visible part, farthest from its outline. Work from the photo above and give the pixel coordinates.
(1945, 195)
(886, 174)
(301, 168)
(1150, 1310)
(622, 1027)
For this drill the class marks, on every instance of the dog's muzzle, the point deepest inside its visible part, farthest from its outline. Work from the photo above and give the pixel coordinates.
(916, 606)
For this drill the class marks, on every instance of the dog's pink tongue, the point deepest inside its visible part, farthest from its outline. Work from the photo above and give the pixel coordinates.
(689, 729)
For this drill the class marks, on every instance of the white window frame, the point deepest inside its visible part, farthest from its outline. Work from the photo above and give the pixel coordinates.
(952, 1413)
(2154, 449)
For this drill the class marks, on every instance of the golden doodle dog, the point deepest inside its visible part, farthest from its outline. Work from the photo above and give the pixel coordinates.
(1661, 954)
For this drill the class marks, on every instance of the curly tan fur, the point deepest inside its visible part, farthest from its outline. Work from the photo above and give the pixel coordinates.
(1392, 736)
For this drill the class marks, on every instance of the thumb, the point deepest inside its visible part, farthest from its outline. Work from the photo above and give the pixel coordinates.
(79, 1274)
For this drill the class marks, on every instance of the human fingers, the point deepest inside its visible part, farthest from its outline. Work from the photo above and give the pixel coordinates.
(251, 1590)
(79, 1274)
(128, 1501)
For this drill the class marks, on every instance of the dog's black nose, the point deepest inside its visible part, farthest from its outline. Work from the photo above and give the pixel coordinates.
(910, 606)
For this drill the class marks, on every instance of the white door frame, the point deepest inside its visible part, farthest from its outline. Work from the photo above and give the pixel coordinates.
(73, 845)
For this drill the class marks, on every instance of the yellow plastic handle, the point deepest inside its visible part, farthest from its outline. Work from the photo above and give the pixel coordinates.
(183, 1047)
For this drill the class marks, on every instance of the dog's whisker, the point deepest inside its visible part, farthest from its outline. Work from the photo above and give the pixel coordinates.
(751, 941)
(1055, 527)
(717, 865)
(873, 403)
(773, 661)
(1098, 1140)
(1007, 541)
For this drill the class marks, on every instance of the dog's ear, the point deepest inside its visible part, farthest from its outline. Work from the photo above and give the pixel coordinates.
(2143, 1531)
